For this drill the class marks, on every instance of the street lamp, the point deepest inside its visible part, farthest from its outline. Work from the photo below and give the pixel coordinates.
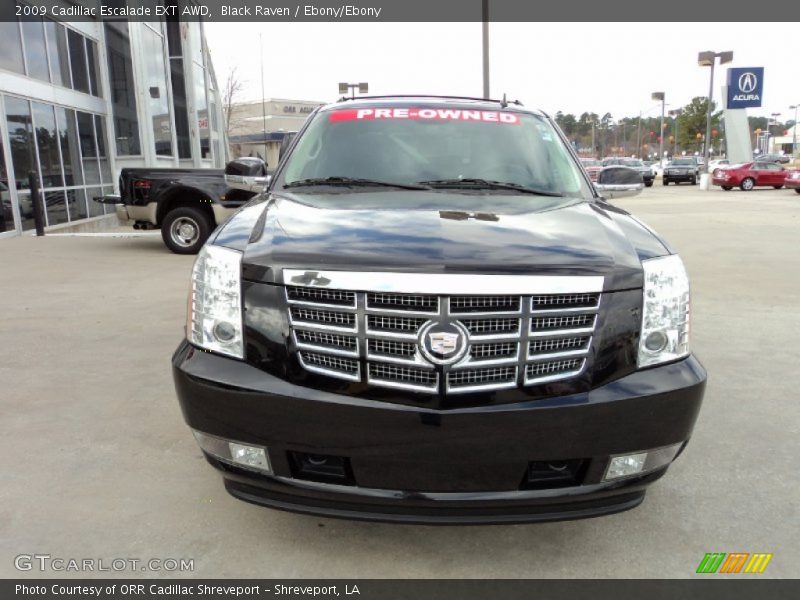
(676, 113)
(660, 96)
(794, 129)
(709, 59)
(362, 88)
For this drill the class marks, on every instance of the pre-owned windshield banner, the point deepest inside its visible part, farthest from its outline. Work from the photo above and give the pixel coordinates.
(424, 114)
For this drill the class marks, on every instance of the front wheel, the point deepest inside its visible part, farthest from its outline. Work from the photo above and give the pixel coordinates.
(694, 181)
(185, 229)
(665, 182)
(777, 187)
(727, 188)
(649, 184)
(747, 184)
(797, 190)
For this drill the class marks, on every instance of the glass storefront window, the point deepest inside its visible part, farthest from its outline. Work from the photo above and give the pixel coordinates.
(156, 87)
(123, 97)
(95, 208)
(55, 203)
(94, 71)
(86, 135)
(201, 104)
(11, 47)
(77, 59)
(47, 143)
(57, 52)
(20, 139)
(6, 209)
(70, 148)
(35, 49)
(105, 168)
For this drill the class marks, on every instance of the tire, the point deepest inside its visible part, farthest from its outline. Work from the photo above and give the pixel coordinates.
(693, 181)
(185, 229)
(649, 184)
(727, 188)
(748, 183)
(777, 187)
(665, 182)
(797, 190)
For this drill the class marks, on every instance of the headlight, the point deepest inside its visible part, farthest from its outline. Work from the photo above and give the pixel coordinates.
(214, 321)
(665, 311)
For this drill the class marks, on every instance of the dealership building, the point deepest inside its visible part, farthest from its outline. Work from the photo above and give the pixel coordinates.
(81, 100)
(258, 129)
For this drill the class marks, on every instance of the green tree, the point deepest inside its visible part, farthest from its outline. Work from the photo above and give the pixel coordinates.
(693, 121)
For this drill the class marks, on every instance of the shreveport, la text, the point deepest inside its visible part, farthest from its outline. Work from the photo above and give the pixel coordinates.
(343, 11)
(177, 589)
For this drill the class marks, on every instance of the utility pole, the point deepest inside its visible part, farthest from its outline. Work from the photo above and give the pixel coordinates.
(709, 59)
(660, 96)
(485, 8)
(639, 136)
(794, 130)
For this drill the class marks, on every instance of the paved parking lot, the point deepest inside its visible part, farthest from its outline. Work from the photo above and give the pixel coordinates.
(97, 462)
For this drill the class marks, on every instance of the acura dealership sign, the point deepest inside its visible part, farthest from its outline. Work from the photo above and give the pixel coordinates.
(745, 87)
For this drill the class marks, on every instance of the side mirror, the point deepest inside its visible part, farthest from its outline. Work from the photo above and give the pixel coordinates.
(247, 173)
(619, 182)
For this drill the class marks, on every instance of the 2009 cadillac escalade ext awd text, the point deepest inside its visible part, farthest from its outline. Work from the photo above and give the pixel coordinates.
(431, 315)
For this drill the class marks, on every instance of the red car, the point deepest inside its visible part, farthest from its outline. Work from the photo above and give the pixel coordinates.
(593, 167)
(750, 175)
(793, 180)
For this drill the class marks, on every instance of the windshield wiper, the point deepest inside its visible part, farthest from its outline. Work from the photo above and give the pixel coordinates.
(475, 183)
(353, 181)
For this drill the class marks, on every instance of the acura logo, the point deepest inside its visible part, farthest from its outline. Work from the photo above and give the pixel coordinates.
(748, 82)
(443, 343)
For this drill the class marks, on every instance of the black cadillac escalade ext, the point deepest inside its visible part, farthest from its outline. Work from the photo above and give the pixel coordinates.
(431, 315)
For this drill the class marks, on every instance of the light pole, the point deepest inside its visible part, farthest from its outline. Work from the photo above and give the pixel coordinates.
(794, 130)
(709, 59)
(660, 96)
(344, 88)
(676, 113)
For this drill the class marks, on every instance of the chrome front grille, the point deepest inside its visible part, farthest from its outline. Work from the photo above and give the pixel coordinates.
(376, 337)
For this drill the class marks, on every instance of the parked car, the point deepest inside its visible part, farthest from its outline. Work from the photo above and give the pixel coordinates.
(432, 315)
(593, 166)
(776, 158)
(685, 168)
(793, 180)
(750, 175)
(634, 163)
(713, 164)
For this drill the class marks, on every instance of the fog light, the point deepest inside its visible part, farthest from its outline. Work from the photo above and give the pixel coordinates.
(224, 331)
(237, 453)
(249, 456)
(623, 466)
(655, 341)
(626, 465)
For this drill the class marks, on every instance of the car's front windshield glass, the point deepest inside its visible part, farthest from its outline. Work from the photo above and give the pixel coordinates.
(437, 148)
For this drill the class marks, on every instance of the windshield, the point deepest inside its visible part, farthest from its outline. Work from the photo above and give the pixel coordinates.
(433, 148)
(683, 162)
(633, 163)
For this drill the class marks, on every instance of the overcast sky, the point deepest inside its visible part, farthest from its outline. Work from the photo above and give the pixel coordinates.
(572, 67)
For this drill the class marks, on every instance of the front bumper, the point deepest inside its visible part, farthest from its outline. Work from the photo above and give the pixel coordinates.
(409, 464)
(680, 176)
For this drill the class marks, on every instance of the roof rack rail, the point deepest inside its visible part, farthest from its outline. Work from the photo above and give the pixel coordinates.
(502, 102)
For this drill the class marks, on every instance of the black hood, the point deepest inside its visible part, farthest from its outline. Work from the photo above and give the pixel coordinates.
(437, 232)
